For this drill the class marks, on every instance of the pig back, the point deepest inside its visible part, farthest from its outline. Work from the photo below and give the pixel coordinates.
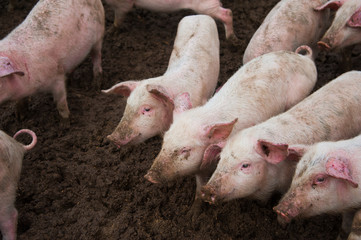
(329, 114)
(194, 59)
(290, 23)
(62, 30)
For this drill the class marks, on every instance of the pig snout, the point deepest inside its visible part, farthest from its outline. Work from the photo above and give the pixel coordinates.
(120, 139)
(152, 177)
(208, 194)
(324, 45)
(286, 212)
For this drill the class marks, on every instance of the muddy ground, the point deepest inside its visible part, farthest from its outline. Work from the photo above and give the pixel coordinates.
(76, 185)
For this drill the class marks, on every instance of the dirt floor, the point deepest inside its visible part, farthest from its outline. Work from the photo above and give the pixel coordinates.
(76, 185)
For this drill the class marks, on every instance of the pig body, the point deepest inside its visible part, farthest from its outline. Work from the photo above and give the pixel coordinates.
(345, 29)
(189, 81)
(262, 88)
(11, 156)
(55, 37)
(326, 180)
(290, 24)
(212, 8)
(257, 161)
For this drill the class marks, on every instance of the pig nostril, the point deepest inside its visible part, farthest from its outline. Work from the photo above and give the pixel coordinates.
(150, 178)
(213, 198)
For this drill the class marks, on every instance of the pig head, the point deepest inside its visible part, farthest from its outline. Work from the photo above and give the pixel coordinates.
(346, 26)
(250, 168)
(322, 183)
(188, 149)
(149, 111)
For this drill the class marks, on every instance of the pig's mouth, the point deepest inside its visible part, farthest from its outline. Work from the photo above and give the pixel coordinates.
(285, 216)
(151, 177)
(324, 46)
(209, 195)
(121, 142)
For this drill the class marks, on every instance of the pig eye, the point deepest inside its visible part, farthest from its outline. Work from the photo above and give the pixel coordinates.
(185, 150)
(146, 110)
(245, 165)
(319, 180)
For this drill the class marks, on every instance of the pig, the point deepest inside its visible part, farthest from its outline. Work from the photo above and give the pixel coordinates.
(289, 24)
(11, 157)
(264, 87)
(54, 38)
(344, 32)
(345, 28)
(189, 81)
(212, 8)
(326, 180)
(257, 161)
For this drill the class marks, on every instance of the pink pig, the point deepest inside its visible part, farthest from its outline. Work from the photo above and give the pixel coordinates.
(290, 23)
(262, 88)
(189, 81)
(326, 180)
(257, 161)
(346, 26)
(55, 37)
(11, 157)
(212, 8)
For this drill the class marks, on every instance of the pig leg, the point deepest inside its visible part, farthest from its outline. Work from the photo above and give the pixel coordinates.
(59, 94)
(96, 54)
(225, 16)
(356, 227)
(121, 8)
(8, 224)
(197, 204)
(21, 108)
(347, 218)
(8, 219)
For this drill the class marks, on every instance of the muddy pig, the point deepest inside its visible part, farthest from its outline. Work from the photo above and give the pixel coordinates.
(264, 87)
(290, 23)
(54, 38)
(345, 29)
(326, 180)
(189, 81)
(11, 157)
(257, 161)
(212, 8)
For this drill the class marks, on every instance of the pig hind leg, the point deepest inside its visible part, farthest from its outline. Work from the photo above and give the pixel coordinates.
(8, 222)
(347, 218)
(222, 14)
(59, 94)
(96, 55)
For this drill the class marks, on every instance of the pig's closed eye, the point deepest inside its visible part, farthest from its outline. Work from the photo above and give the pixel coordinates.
(319, 180)
(185, 150)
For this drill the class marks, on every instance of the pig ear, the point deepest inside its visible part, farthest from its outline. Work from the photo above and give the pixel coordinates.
(211, 155)
(7, 68)
(182, 103)
(220, 131)
(333, 5)
(272, 152)
(123, 88)
(161, 94)
(295, 152)
(355, 20)
(339, 168)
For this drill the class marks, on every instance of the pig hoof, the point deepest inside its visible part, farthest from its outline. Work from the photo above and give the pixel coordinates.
(65, 123)
(195, 210)
(234, 41)
(97, 84)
